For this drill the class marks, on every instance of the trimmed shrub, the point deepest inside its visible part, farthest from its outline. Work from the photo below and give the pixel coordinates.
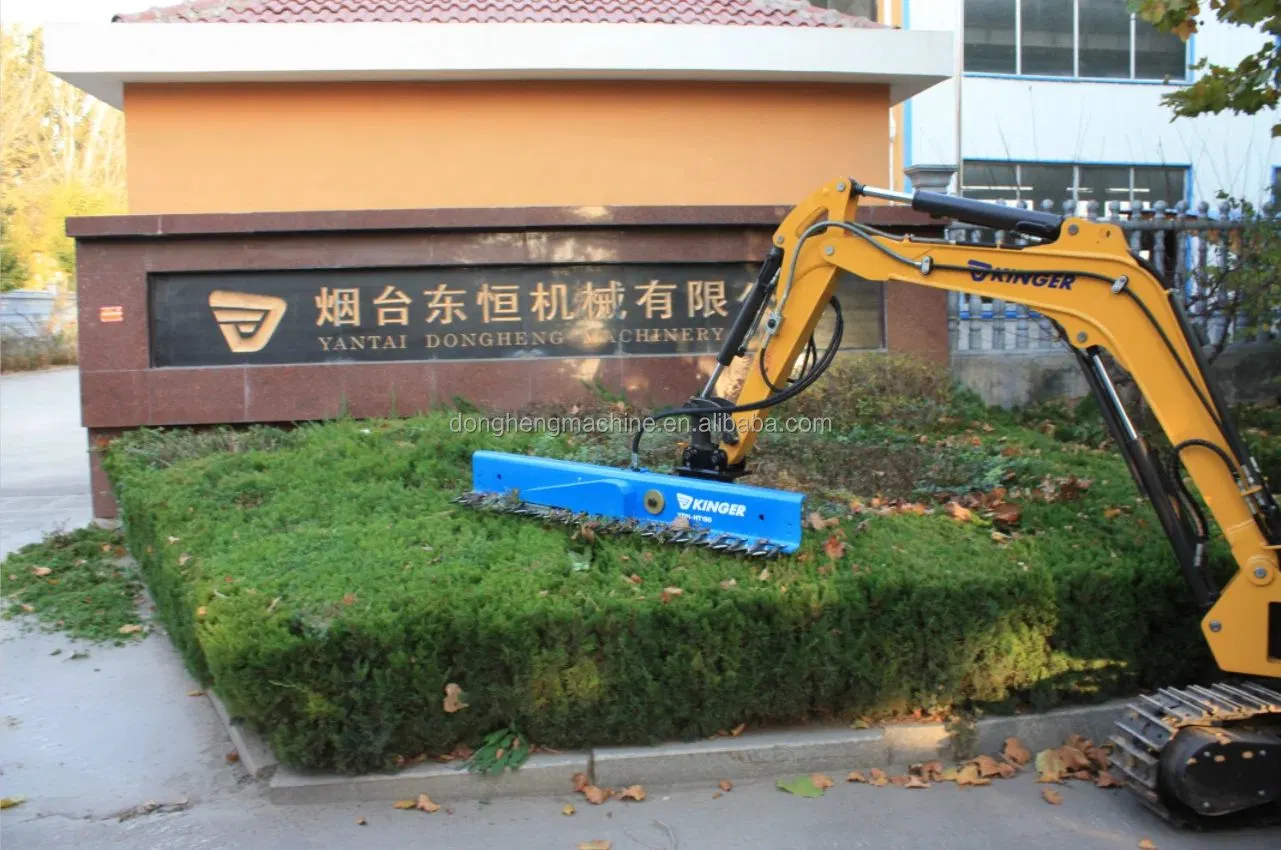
(322, 581)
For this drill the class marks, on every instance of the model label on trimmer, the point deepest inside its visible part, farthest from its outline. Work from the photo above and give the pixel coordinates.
(710, 506)
(982, 271)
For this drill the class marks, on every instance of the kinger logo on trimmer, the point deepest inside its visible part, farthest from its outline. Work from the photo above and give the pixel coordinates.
(982, 271)
(710, 506)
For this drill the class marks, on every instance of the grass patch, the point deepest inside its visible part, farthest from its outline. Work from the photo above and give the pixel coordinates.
(323, 582)
(78, 582)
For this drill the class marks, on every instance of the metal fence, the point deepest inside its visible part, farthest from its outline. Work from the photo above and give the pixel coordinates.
(1192, 248)
(34, 313)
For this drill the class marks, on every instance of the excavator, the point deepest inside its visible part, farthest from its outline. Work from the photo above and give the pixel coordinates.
(1197, 755)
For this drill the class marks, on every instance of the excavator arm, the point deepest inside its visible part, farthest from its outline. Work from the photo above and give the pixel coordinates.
(1189, 753)
(1082, 276)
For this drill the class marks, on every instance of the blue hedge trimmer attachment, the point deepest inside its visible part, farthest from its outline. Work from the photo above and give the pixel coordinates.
(699, 504)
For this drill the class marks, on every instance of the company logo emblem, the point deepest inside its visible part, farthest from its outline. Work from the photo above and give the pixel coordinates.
(980, 271)
(710, 506)
(246, 321)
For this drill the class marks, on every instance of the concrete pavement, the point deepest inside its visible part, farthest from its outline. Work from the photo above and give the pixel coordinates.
(85, 739)
(44, 463)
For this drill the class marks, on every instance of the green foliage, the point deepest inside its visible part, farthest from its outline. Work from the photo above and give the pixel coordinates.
(503, 750)
(13, 269)
(1248, 88)
(881, 389)
(75, 582)
(61, 154)
(331, 590)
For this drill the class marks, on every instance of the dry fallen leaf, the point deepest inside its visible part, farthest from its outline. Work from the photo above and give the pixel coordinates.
(183, 559)
(632, 792)
(360, 821)
(580, 781)
(930, 770)
(949, 774)
(1106, 780)
(598, 844)
(10, 802)
(1083, 775)
(670, 593)
(405, 804)
(1111, 513)
(969, 775)
(130, 629)
(195, 693)
(987, 766)
(453, 698)
(916, 782)
(737, 730)
(567, 810)
(877, 777)
(426, 804)
(201, 611)
(821, 781)
(764, 575)
(728, 583)
(958, 512)
(716, 795)
(1051, 796)
(1008, 770)
(725, 785)
(595, 795)
(856, 776)
(1016, 752)
(1146, 844)
(1099, 756)
(834, 547)
(635, 579)
(172, 540)
(41, 571)
(680, 523)
(1049, 763)
(28, 608)
(1072, 759)
(1006, 514)
(900, 781)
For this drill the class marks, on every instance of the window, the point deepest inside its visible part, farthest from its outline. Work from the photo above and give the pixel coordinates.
(1094, 39)
(862, 8)
(989, 36)
(1033, 182)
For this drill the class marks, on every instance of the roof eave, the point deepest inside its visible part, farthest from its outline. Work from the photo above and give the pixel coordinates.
(102, 58)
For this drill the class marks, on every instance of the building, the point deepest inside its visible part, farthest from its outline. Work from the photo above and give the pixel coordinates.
(387, 204)
(1061, 99)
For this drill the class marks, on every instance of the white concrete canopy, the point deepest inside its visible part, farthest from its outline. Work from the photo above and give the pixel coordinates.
(102, 58)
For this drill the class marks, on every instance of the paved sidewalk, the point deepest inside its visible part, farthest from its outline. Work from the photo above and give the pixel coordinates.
(85, 739)
(44, 464)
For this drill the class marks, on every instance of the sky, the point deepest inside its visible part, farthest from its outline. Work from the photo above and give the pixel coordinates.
(34, 12)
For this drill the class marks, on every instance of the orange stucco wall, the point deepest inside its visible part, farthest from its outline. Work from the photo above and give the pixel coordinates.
(296, 146)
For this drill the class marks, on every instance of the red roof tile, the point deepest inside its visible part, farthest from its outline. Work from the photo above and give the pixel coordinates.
(797, 13)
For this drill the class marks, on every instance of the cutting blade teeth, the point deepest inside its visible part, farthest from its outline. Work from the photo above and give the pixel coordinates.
(717, 542)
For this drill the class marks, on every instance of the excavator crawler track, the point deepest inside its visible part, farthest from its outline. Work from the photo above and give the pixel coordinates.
(661, 532)
(1160, 737)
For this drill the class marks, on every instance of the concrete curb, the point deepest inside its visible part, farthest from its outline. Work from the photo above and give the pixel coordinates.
(254, 753)
(539, 775)
(753, 755)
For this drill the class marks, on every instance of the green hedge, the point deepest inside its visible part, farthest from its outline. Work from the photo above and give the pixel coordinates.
(324, 584)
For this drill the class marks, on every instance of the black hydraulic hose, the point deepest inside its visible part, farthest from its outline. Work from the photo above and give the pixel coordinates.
(829, 355)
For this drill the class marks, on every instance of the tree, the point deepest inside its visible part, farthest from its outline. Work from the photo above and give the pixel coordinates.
(61, 154)
(1250, 87)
